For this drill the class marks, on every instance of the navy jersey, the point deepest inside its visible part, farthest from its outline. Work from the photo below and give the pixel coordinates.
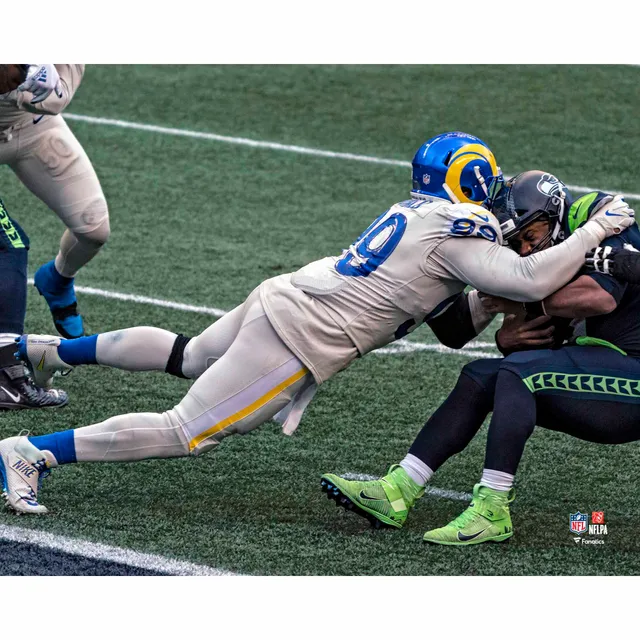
(622, 326)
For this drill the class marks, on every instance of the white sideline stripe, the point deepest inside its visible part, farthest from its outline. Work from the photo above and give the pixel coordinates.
(157, 302)
(248, 142)
(397, 348)
(404, 346)
(276, 146)
(432, 491)
(96, 551)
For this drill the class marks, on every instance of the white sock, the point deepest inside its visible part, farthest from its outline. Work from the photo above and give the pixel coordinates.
(130, 437)
(417, 470)
(8, 338)
(498, 480)
(136, 349)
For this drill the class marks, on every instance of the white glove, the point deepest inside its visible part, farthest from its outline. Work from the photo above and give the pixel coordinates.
(613, 215)
(43, 80)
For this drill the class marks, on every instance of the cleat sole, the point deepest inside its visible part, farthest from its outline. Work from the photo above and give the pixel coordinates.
(376, 521)
(501, 538)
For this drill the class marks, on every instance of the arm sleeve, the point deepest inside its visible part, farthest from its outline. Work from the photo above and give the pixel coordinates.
(463, 320)
(499, 271)
(70, 79)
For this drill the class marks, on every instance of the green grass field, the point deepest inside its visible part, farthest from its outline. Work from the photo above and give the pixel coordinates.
(203, 222)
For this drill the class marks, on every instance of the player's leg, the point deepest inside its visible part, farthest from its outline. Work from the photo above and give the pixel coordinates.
(591, 393)
(447, 432)
(53, 165)
(17, 390)
(254, 380)
(134, 349)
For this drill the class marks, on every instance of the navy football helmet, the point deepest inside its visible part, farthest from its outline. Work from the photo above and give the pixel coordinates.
(526, 198)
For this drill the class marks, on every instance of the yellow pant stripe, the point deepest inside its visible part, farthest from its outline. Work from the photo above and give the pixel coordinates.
(243, 413)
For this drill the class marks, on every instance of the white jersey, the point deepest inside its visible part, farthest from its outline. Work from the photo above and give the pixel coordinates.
(406, 268)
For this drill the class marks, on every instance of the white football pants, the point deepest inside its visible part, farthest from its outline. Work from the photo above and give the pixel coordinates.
(245, 375)
(51, 163)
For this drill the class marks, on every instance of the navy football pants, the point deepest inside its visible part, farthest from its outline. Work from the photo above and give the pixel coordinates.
(14, 245)
(591, 393)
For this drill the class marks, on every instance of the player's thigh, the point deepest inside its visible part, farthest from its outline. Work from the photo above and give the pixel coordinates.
(210, 345)
(53, 165)
(257, 377)
(605, 421)
(589, 392)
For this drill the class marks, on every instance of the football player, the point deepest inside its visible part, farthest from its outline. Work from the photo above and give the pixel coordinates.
(589, 388)
(17, 389)
(297, 330)
(42, 151)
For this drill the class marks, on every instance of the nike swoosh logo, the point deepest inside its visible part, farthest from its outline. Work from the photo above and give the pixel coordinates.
(463, 538)
(15, 398)
(364, 496)
(40, 366)
(615, 215)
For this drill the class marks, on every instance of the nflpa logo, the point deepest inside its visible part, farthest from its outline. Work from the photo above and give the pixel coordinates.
(597, 517)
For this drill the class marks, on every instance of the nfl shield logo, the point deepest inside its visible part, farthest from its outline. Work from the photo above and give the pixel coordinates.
(578, 522)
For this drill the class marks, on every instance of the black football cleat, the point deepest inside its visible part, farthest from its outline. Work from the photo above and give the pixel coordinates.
(18, 391)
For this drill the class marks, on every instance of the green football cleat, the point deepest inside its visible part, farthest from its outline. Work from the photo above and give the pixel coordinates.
(384, 502)
(487, 519)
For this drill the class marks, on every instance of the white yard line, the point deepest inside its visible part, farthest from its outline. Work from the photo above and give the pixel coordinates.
(432, 491)
(96, 551)
(275, 146)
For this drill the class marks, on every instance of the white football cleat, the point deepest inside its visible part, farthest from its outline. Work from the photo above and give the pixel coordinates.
(40, 354)
(21, 466)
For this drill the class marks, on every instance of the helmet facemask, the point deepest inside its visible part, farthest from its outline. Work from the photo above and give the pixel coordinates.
(513, 220)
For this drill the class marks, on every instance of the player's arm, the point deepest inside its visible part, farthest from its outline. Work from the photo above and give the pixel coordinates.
(462, 321)
(57, 101)
(588, 295)
(497, 270)
(585, 297)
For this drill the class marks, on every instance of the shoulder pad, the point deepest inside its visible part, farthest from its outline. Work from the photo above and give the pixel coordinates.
(581, 209)
(471, 221)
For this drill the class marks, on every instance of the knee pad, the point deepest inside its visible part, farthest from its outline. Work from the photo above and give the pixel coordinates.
(174, 363)
(93, 223)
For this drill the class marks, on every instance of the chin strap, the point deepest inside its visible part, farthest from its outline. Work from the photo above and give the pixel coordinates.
(454, 198)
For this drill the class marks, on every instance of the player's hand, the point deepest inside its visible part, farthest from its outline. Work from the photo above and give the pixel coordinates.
(495, 304)
(622, 264)
(42, 82)
(517, 334)
(613, 215)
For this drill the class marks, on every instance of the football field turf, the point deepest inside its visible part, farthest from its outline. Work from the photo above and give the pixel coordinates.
(202, 220)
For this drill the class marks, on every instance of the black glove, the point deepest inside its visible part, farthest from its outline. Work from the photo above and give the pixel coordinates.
(623, 264)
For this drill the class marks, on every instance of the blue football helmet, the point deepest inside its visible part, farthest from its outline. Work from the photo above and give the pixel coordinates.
(455, 166)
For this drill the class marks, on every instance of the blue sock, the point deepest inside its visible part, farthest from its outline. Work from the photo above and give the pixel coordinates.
(62, 445)
(59, 281)
(79, 350)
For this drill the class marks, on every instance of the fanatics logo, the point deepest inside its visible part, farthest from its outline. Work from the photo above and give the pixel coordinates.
(579, 524)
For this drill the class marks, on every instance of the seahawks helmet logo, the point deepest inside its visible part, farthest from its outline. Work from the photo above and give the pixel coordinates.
(549, 185)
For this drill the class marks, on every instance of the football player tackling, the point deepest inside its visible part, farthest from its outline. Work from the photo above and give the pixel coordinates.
(39, 147)
(297, 330)
(589, 389)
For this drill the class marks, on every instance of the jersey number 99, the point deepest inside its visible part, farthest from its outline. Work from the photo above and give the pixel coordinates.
(466, 227)
(373, 247)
